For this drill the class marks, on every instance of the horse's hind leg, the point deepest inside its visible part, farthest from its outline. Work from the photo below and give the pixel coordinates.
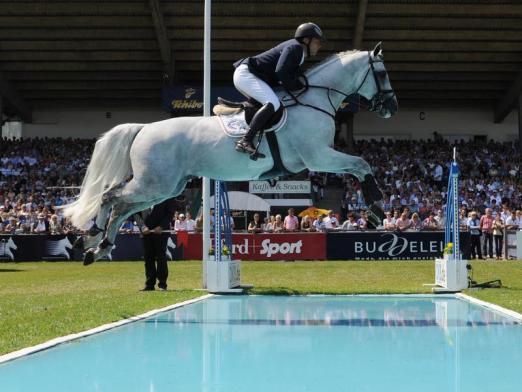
(119, 213)
(96, 232)
(134, 198)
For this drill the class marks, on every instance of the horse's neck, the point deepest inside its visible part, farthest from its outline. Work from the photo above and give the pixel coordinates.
(343, 73)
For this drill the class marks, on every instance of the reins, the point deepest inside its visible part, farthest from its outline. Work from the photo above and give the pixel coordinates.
(376, 102)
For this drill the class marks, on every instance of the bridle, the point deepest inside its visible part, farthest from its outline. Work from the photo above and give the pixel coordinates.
(375, 103)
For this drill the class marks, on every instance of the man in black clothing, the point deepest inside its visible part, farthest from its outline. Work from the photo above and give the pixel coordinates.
(155, 233)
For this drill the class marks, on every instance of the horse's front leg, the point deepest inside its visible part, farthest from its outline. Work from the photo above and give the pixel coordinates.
(332, 161)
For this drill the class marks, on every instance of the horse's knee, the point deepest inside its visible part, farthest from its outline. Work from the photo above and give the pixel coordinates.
(105, 243)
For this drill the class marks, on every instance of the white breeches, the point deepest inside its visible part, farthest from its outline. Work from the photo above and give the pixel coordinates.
(253, 87)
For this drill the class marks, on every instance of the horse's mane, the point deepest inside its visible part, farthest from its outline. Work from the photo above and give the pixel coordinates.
(328, 60)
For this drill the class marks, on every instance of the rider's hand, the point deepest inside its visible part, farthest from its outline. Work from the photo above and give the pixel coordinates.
(158, 230)
(145, 230)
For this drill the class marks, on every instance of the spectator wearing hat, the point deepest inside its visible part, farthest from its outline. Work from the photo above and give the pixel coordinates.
(41, 226)
(180, 224)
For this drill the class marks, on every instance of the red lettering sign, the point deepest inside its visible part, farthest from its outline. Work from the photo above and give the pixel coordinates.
(298, 246)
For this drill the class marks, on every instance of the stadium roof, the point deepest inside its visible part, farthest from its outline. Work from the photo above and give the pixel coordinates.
(114, 52)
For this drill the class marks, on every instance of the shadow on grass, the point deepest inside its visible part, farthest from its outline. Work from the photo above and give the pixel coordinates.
(274, 291)
(11, 270)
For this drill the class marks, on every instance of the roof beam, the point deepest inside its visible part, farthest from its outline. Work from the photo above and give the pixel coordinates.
(507, 102)
(163, 39)
(10, 95)
(359, 24)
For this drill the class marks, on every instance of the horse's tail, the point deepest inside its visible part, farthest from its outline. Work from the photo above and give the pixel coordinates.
(110, 165)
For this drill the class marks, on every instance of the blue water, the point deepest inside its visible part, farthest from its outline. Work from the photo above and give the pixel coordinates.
(263, 343)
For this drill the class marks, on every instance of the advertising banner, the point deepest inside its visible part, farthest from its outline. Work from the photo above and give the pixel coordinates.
(378, 245)
(298, 246)
(280, 187)
(60, 248)
(189, 99)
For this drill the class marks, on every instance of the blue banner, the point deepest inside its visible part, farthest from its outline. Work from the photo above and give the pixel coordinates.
(383, 245)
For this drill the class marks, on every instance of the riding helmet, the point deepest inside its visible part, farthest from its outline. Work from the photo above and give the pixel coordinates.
(309, 29)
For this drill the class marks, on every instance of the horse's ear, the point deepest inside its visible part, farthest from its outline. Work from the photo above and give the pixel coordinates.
(377, 51)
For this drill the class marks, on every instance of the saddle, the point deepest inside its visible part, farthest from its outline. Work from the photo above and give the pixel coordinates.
(250, 107)
(226, 108)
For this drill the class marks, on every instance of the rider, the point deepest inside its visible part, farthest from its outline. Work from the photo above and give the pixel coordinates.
(255, 76)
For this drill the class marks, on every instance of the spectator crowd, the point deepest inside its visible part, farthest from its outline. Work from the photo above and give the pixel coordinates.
(414, 174)
(40, 174)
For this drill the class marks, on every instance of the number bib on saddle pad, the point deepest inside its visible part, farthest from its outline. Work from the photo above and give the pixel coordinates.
(235, 125)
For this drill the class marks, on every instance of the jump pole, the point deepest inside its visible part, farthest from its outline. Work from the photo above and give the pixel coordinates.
(206, 112)
(451, 274)
(221, 274)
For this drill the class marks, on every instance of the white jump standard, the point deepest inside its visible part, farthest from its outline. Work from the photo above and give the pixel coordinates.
(451, 274)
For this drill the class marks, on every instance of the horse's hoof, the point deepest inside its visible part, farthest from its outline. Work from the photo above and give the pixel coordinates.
(371, 191)
(88, 258)
(78, 244)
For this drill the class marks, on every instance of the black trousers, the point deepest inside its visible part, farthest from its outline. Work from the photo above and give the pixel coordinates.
(498, 245)
(475, 246)
(154, 247)
(488, 244)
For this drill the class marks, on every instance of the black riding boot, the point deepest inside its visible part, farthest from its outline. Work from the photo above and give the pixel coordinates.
(257, 124)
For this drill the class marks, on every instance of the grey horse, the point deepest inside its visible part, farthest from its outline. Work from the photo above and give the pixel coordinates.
(135, 166)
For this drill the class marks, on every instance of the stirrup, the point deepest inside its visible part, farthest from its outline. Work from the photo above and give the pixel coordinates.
(254, 155)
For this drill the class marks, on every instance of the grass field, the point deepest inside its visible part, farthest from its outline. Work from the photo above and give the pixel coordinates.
(40, 301)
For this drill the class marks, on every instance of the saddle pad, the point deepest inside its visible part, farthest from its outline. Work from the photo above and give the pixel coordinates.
(234, 125)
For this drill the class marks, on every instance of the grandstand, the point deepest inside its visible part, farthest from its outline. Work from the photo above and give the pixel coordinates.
(71, 70)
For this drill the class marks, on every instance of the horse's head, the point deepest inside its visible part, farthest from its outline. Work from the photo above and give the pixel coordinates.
(65, 243)
(375, 85)
(11, 244)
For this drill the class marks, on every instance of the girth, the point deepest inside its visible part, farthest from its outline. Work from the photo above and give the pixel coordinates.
(279, 168)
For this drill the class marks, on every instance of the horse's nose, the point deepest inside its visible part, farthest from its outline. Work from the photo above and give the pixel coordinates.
(391, 107)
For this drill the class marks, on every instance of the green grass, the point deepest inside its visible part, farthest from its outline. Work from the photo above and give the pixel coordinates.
(40, 301)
